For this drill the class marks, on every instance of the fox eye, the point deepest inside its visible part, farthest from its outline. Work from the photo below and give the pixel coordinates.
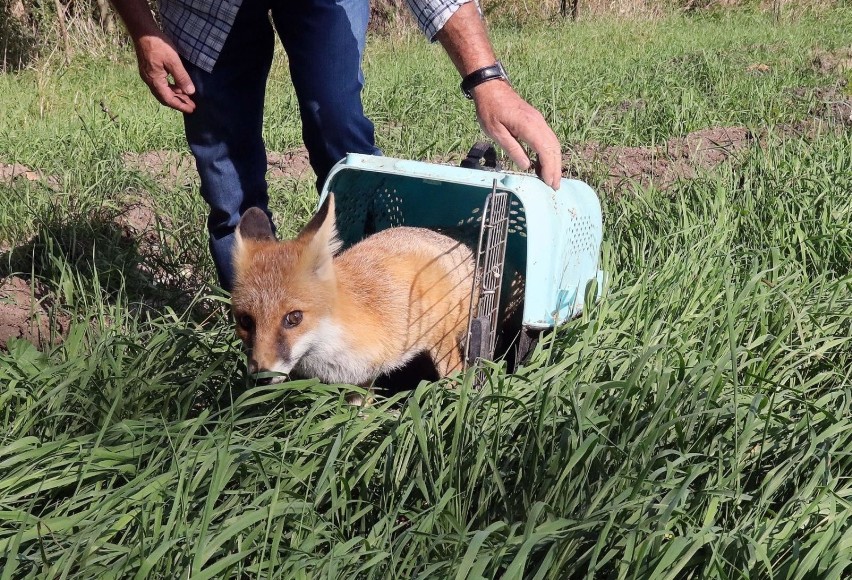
(292, 319)
(246, 322)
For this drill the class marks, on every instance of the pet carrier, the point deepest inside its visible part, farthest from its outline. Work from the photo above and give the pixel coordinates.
(537, 249)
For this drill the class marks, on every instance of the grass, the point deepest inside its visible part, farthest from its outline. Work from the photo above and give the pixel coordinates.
(697, 422)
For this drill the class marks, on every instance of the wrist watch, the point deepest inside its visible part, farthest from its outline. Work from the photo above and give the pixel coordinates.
(484, 74)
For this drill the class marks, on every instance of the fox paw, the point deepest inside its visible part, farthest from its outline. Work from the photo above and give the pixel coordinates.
(359, 400)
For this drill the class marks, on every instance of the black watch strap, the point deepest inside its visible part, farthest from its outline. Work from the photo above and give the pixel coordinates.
(479, 76)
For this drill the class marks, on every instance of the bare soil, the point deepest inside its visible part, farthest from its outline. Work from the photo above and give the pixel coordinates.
(177, 169)
(833, 62)
(24, 314)
(663, 165)
(831, 102)
(169, 168)
(758, 68)
(138, 220)
(292, 164)
(10, 172)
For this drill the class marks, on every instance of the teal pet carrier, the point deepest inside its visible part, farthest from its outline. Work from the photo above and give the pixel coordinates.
(537, 249)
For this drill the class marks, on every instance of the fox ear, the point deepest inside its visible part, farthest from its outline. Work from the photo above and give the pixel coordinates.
(320, 238)
(254, 226)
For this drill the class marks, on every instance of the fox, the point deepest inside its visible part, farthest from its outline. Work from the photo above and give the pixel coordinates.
(304, 309)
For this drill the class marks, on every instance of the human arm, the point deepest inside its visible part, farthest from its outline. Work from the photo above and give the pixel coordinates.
(156, 56)
(502, 113)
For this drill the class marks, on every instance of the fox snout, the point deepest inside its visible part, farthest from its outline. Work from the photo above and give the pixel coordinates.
(265, 374)
(267, 363)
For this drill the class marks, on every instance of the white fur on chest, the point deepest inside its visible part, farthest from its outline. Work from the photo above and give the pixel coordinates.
(325, 353)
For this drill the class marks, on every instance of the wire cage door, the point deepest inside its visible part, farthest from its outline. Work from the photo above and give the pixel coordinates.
(488, 278)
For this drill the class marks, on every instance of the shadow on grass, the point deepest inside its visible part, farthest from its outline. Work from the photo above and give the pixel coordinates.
(130, 322)
(103, 256)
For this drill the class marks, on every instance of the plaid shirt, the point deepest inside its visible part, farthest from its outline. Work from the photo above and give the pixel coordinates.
(199, 27)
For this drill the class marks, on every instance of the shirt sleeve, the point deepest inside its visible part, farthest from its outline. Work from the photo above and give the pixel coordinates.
(431, 15)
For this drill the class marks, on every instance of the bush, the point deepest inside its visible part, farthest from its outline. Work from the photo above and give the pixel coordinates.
(17, 36)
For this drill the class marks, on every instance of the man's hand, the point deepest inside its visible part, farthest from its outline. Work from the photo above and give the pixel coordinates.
(510, 121)
(157, 60)
(156, 56)
(502, 113)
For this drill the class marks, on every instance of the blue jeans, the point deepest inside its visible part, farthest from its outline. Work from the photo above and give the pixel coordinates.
(324, 41)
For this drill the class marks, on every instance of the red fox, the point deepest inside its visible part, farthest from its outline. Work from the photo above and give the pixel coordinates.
(349, 318)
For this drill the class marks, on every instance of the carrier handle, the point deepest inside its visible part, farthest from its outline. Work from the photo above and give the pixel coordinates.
(481, 156)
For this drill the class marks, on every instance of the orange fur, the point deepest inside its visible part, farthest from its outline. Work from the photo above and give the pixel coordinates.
(365, 312)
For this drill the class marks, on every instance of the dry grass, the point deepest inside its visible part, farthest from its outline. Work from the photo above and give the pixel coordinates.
(63, 28)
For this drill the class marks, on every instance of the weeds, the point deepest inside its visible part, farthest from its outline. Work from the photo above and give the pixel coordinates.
(694, 422)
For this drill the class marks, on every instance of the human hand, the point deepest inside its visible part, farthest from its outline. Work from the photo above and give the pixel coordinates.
(510, 121)
(157, 60)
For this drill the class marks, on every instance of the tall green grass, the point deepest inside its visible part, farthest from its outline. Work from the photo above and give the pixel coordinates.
(695, 422)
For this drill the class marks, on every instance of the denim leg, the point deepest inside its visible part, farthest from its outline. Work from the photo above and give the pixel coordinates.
(324, 40)
(225, 130)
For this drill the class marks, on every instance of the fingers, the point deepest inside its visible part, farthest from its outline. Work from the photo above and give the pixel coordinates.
(510, 145)
(169, 95)
(177, 95)
(530, 127)
(157, 60)
(549, 161)
(182, 80)
(511, 122)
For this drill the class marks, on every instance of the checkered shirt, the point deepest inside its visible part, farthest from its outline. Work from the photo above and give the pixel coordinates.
(199, 27)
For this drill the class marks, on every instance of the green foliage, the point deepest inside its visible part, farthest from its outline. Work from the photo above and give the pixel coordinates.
(696, 422)
(17, 38)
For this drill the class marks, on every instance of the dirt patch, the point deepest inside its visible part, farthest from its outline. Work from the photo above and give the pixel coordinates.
(830, 102)
(758, 68)
(140, 222)
(24, 314)
(168, 168)
(289, 164)
(10, 172)
(833, 62)
(709, 147)
(679, 158)
(840, 111)
(176, 169)
(630, 105)
(808, 129)
(138, 219)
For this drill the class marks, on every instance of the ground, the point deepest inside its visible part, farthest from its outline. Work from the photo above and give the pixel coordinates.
(695, 421)
(613, 168)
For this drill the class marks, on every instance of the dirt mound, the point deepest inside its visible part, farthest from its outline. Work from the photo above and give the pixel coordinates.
(289, 164)
(176, 169)
(832, 62)
(10, 172)
(830, 102)
(138, 216)
(841, 111)
(137, 219)
(169, 168)
(23, 314)
(140, 222)
(679, 158)
(758, 68)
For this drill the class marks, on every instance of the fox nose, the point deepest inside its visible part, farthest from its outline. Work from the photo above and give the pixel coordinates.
(267, 376)
(253, 367)
(254, 370)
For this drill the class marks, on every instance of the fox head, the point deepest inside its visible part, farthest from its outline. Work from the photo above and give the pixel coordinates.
(284, 291)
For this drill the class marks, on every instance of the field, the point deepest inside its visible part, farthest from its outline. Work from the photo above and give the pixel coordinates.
(695, 423)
